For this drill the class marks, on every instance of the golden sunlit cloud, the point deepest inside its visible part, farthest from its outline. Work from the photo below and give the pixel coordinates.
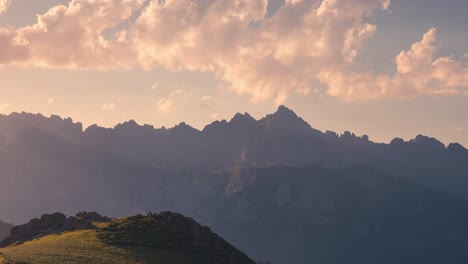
(206, 97)
(280, 57)
(50, 101)
(108, 106)
(4, 5)
(168, 103)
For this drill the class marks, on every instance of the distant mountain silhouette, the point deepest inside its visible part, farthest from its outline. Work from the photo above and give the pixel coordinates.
(281, 138)
(325, 196)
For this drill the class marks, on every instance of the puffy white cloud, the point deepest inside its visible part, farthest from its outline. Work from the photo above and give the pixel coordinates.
(71, 37)
(108, 106)
(417, 73)
(167, 104)
(304, 41)
(4, 5)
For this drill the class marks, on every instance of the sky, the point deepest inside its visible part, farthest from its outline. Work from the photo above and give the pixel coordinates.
(385, 68)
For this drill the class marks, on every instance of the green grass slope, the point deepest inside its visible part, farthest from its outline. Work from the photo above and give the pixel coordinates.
(125, 241)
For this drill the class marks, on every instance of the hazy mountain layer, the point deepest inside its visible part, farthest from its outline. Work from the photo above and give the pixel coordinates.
(355, 215)
(281, 138)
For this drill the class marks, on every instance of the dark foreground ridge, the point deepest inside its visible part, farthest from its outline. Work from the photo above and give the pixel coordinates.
(48, 224)
(91, 238)
(171, 231)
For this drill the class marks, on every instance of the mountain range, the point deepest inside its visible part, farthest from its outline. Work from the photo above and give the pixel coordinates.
(276, 188)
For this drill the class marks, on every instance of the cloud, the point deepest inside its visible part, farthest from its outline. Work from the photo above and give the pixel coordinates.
(206, 98)
(458, 129)
(4, 107)
(417, 73)
(108, 106)
(4, 5)
(214, 115)
(72, 37)
(167, 104)
(50, 101)
(154, 86)
(305, 41)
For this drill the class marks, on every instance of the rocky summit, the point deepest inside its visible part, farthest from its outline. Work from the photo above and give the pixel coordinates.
(46, 225)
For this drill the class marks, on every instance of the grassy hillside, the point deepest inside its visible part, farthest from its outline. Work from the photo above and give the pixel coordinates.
(88, 246)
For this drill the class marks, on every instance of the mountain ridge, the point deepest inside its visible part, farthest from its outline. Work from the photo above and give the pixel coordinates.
(281, 111)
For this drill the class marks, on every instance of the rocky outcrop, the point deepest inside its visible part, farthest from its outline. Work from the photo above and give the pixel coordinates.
(46, 225)
(172, 231)
(93, 217)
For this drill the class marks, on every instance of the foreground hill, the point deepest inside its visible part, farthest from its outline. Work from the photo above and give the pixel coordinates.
(165, 238)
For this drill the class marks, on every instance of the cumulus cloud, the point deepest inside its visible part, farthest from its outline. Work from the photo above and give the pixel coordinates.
(4, 5)
(167, 104)
(72, 37)
(417, 73)
(108, 106)
(305, 41)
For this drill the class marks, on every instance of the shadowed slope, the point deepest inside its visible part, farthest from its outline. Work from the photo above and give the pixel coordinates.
(166, 238)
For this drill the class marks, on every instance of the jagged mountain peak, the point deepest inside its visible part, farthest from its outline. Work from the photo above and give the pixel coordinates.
(128, 125)
(184, 127)
(285, 110)
(242, 118)
(428, 141)
(286, 119)
(456, 147)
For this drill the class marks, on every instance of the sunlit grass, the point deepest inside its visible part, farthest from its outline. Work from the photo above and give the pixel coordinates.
(84, 247)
